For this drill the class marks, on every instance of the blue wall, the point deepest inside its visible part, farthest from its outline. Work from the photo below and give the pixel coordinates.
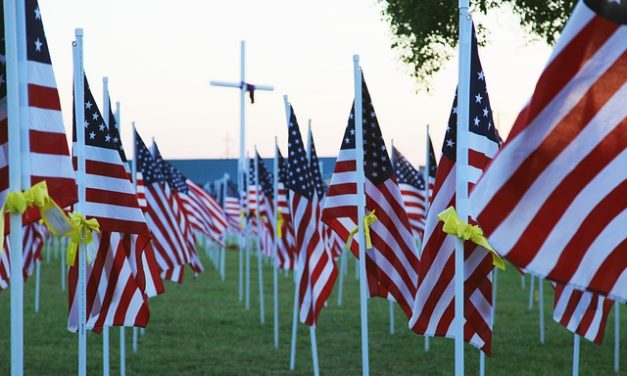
(202, 171)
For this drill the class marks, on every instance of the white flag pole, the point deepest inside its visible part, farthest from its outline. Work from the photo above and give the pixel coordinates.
(576, 355)
(340, 287)
(224, 236)
(262, 313)
(540, 309)
(134, 343)
(37, 283)
(247, 229)
(361, 208)
(63, 263)
(426, 178)
(461, 181)
(296, 276)
(105, 329)
(531, 291)
(79, 98)
(314, 351)
(522, 282)
(275, 244)
(14, 28)
(391, 303)
(616, 336)
(122, 351)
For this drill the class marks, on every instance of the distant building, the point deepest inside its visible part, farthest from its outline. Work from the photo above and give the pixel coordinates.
(203, 171)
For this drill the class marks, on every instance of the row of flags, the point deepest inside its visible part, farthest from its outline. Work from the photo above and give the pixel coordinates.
(149, 216)
(551, 199)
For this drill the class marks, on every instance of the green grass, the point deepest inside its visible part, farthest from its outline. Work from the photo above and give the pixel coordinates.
(200, 328)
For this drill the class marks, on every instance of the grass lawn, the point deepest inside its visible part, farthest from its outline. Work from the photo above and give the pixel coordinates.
(200, 328)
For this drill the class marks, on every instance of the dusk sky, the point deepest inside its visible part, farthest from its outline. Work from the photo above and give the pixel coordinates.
(160, 56)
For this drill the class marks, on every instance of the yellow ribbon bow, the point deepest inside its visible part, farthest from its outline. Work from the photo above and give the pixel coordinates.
(82, 230)
(368, 220)
(455, 226)
(37, 195)
(242, 219)
(279, 225)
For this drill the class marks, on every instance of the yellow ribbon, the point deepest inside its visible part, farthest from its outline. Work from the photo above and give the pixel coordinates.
(368, 220)
(242, 219)
(82, 230)
(455, 226)
(279, 225)
(37, 195)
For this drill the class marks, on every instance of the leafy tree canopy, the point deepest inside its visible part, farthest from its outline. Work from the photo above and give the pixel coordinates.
(426, 30)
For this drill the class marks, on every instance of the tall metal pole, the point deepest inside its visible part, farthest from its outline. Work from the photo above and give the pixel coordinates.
(262, 313)
(275, 216)
(461, 181)
(105, 329)
(79, 98)
(361, 208)
(13, 54)
(427, 176)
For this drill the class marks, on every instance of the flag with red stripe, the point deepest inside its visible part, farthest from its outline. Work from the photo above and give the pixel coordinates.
(412, 185)
(554, 200)
(434, 308)
(392, 262)
(315, 266)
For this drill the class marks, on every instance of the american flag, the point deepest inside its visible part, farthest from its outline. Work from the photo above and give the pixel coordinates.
(35, 235)
(412, 185)
(581, 312)
(45, 149)
(109, 194)
(231, 206)
(315, 265)
(114, 295)
(286, 252)
(175, 182)
(554, 200)
(392, 262)
(168, 241)
(251, 189)
(139, 247)
(434, 308)
(266, 207)
(433, 166)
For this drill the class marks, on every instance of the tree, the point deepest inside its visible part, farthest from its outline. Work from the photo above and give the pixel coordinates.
(426, 30)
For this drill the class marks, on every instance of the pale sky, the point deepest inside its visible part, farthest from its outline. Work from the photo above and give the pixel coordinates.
(160, 56)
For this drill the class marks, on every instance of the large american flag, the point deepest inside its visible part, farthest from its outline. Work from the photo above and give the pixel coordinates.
(315, 265)
(554, 200)
(392, 262)
(168, 241)
(413, 189)
(44, 143)
(434, 308)
(581, 312)
(114, 295)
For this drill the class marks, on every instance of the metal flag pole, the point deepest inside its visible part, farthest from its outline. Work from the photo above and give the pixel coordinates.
(540, 309)
(275, 244)
(426, 177)
(361, 208)
(576, 355)
(243, 87)
(37, 283)
(79, 98)
(63, 263)
(296, 276)
(105, 329)
(224, 236)
(262, 313)
(461, 181)
(531, 291)
(13, 29)
(390, 302)
(247, 240)
(340, 287)
(616, 336)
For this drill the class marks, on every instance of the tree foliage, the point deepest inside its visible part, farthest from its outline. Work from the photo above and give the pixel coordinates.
(426, 30)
